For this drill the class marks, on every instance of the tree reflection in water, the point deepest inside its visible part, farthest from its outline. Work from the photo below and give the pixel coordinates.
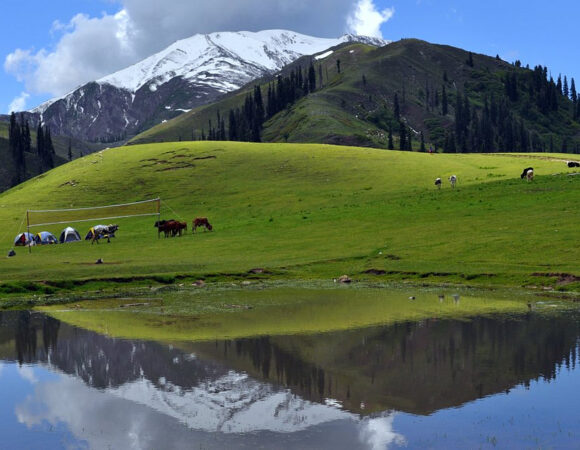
(413, 367)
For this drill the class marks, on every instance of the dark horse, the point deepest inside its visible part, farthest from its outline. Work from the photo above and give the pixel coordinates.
(105, 231)
(171, 227)
(201, 222)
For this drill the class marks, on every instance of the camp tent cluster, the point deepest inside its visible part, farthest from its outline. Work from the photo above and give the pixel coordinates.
(69, 234)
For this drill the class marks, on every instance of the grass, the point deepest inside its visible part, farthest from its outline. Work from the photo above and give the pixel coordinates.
(303, 212)
(229, 313)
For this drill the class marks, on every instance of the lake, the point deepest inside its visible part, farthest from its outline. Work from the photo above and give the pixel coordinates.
(493, 381)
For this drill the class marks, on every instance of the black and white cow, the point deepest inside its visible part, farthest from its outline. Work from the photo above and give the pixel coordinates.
(525, 172)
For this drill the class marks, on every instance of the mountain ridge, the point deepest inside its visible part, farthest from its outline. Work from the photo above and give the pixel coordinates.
(186, 74)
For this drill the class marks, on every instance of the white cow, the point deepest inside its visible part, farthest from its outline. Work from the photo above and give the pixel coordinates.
(453, 180)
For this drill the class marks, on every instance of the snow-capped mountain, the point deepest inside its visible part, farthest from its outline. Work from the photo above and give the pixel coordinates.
(188, 73)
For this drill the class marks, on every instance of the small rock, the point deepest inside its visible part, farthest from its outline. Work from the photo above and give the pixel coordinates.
(198, 283)
(99, 261)
(11, 253)
(412, 297)
(344, 279)
(246, 283)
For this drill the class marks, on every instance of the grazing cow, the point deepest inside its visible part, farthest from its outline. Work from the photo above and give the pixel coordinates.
(530, 175)
(438, 183)
(201, 222)
(104, 231)
(525, 172)
(453, 180)
(573, 164)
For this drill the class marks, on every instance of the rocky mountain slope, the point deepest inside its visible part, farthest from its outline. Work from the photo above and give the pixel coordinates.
(187, 74)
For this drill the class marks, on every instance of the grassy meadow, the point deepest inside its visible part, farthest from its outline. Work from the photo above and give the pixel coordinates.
(229, 313)
(303, 213)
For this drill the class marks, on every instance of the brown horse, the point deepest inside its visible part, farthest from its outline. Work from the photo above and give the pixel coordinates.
(201, 222)
(172, 227)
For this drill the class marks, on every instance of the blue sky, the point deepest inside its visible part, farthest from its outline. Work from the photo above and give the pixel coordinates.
(50, 48)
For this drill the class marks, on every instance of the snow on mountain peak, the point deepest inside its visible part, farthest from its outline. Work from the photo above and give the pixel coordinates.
(243, 53)
(189, 73)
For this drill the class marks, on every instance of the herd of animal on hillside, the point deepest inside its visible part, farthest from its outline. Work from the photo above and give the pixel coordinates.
(174, 228)
(527, 173)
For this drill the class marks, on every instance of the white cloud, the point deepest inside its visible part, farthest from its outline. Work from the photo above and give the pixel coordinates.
(19, 103)
(377, 433)
(366, 20)
(27, 373)
(89, 48)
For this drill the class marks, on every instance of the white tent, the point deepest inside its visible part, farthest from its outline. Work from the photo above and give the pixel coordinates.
(69, 234)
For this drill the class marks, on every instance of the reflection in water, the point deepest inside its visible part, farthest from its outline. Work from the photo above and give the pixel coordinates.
(260, 387)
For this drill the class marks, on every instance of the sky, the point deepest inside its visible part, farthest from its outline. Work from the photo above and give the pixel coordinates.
(49, 48)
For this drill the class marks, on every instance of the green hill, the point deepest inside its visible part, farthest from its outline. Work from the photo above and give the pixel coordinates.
(304, 212)
(61, 147)
(508, 107)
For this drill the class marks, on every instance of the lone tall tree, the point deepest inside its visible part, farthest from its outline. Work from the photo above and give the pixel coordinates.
(396, 108)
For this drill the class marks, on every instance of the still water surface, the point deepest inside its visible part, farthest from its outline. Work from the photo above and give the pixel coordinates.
(488, 382)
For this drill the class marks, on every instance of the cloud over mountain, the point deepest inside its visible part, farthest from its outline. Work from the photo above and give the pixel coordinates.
(92, 47)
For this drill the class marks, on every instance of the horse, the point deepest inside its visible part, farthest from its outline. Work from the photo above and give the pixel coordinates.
(178, 227)
(201, 222)
(171, 226)
(104, 231)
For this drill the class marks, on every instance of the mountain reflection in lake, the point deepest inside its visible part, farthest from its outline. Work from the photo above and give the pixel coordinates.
(505, 381)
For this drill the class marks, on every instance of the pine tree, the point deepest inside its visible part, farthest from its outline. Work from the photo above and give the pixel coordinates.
(338, 65)
(423, 149)
(409, 139)
(565, 88)
(311, 78)
(390, 144)
(402, 136)
(49, 149)
(470, 60)
(444, 106)
(26, 141)
(69, 150)
(396, 109)
(40, 150)
(15, 143)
